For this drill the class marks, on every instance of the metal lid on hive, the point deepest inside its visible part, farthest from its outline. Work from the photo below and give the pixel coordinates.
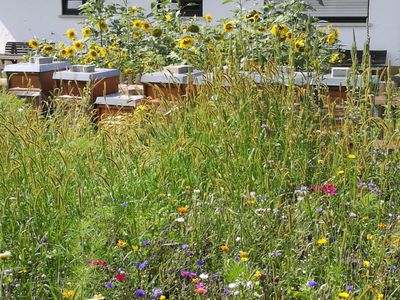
(179, 74)
(37, 64)
(339, 77)
(119, 100)
(85, 73)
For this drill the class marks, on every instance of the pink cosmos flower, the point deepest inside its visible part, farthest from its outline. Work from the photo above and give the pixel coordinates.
(120, 277)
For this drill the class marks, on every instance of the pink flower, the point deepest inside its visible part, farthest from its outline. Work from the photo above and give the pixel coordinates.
(98, 263)
(120, 277)
(200, 290)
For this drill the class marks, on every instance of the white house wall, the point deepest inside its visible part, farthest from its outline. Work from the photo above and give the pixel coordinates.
(20, 20)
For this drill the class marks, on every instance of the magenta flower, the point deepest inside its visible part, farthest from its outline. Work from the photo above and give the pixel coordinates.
(120, 277)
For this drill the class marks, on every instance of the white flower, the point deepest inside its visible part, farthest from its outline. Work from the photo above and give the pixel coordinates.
(180, 220)
(203, 276)
(5, 255)
(252, 194)
(197, 191)
(238, 239)
(233, 285)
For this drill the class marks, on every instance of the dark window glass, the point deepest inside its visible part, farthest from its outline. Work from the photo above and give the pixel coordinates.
(71, 7)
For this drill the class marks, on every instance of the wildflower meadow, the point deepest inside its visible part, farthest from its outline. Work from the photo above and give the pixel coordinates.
(244, 190)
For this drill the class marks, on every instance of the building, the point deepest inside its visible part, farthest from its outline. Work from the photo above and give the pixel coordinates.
(21, 20)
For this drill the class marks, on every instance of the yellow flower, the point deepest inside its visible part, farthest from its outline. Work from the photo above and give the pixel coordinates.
(299, 45)
(244, 259)
(121, 244)
(112, 48)
(92, 53)
(5, 255)
(340, 172)
(261, 29)
(68, 294)
(380, 296)
(145, 26)
(382, 225)
(168, 17)
(63, 52)
(135, 248)
(229, 26)
(258, 274)
(366, 264)
(224, 248)
(78, 45)
(351, 156)
(344, 295)
(186, 42)
(162, 297)
(102, 52)
(99, 297)
(279, 30)
(133, 10)
(365, 218)
(71, 34)
(33, 44)
(137, 24)
(288, 36)
(70, 51)
(322, 241)
(195, 280)
(102, 26)
(86, 32)
(370, 237)
(334, 58)
(208, 18)
(47, 49)
(243, 254)
(320, 161)
(331, 38)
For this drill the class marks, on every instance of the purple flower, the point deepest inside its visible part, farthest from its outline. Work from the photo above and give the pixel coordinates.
(350, 288)
(143, 265)
(185, 273)
(124, 204)
(185, 246)
(237, 257)
(200, 262)
(361, 184)
(109, 285)
(157, 293)
(134, 263)
(319, 209)
(263, 126)
(312, 283)
(192, 275)
(146, 243)
(140, 293)
(120, 269)
(227, 292)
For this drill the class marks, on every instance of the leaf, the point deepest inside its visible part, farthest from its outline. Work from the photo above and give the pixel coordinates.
(321, 2)
(226, 1)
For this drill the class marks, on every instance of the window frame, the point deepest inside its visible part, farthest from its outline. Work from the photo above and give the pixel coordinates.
(65, 11)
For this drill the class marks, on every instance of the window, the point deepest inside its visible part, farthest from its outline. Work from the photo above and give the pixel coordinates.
(189, 8)
(71, 7)
(343, 11)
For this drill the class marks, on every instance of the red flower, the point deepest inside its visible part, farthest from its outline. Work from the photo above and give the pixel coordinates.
(98, 263)
(120, 277)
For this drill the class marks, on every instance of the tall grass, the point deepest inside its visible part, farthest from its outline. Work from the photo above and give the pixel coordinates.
(236, 157)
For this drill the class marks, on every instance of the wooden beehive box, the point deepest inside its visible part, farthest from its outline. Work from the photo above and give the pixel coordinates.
(98, 83)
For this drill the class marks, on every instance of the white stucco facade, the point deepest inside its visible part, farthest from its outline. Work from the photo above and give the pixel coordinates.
(21, 20)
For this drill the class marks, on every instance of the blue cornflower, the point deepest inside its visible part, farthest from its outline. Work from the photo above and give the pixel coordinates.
(124, 204)
(312, 283)
(140, 293)
(200, 262)
(109, 285)
(143, 265)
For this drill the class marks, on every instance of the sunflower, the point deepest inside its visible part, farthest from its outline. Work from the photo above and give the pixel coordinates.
(86, 32)
(156, 32)
(47, 49)
(299, 45)
(145, 26)
(78, 45)
(102, 52)
(112, 48)
(229, 26)
(279, 30)
(208, 18)
(71, 34)
(137, 24)
(331, 38)
(133, 10)
(70, 51)
(334, 58)
(102, 26)
(92, 54)
(137, 34)
(186, 42)
(193, 28)
(261, 29)
(33, 44)
(288, 36)
(63, 52)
